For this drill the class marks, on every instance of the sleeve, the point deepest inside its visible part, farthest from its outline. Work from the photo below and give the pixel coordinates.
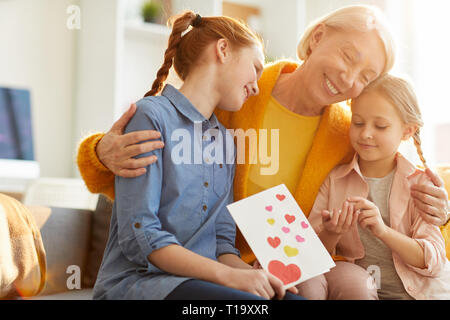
(138, 200)
(430, 239)
(97, 177)
(226, 227)
(321, 203)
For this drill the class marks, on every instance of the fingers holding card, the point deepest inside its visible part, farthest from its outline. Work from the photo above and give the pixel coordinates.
(279, 235)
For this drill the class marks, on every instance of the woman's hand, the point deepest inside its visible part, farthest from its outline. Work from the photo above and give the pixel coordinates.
(432, 201)
(370, 216)
(116, 150)
(338, 222)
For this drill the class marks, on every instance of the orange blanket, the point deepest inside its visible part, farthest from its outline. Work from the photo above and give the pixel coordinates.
(22, 254)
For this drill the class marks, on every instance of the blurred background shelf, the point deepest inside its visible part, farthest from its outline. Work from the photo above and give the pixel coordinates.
(145, 30)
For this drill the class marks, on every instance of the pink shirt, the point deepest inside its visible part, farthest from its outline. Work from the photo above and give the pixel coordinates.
(344, 181)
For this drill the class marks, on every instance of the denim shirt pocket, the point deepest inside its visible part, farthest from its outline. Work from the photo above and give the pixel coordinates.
(220, 172)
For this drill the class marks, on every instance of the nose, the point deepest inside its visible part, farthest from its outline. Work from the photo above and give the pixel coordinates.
(254, 90)
(348, 78)
(366, 133)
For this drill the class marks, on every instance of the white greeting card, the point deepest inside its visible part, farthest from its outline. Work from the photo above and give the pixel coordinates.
(280, 236)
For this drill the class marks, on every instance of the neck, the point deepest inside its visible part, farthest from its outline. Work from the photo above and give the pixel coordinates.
(199, 89)
(290, 91)
(377, 168)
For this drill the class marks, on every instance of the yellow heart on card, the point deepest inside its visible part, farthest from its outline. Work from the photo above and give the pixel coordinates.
(290, 252)
(271, 221)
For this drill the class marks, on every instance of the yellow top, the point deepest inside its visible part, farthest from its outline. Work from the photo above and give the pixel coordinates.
(287, 148)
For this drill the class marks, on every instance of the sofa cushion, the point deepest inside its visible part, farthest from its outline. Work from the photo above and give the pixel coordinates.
(66, 237)
(99, 238)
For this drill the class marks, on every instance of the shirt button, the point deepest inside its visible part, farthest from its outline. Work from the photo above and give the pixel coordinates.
(206, 184)
(205, 207)
(137, 225)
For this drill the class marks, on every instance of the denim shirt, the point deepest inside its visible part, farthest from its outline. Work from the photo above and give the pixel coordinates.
(180, 200)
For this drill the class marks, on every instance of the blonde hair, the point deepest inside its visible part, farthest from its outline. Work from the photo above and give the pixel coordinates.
(184, 49)
(400, 92)
(362, 18)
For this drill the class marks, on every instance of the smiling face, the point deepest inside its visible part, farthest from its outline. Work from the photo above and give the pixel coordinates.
(240, 75)
(341, 64)
(376, 130)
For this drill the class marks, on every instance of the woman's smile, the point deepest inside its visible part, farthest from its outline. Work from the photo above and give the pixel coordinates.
(332, 91)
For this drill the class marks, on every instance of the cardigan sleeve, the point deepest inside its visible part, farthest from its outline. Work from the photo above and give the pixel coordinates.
(224, 117)
(97, 177)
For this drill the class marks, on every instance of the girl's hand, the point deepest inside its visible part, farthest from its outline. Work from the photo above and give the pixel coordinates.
(432, 201)
(341, 221)
(258, 282)
(257, 266)
(117, 150)
(370, 216)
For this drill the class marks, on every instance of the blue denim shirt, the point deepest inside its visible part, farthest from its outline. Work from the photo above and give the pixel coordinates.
(180, 200)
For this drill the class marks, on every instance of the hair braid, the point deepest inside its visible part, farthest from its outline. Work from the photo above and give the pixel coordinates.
(179, 26)
(418, 144)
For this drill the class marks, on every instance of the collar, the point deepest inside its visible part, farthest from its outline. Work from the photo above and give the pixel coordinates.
(185, 107)
(404, 167)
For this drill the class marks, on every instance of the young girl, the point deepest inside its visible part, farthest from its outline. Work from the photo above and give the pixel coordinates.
(177, 241)
(365, 213)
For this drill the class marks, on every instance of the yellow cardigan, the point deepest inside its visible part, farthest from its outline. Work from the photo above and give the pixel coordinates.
(331, 147)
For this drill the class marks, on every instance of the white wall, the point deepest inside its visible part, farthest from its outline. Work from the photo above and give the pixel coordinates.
(98, 68)
(38, 52)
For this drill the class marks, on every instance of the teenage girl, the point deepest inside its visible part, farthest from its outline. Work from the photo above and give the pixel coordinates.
(171, 236)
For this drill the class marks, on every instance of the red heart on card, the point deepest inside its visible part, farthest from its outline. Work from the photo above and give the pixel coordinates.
(289, 218)
(280, 197)
(304, 225)
(287, 274)
(269, 208)
(274, 242)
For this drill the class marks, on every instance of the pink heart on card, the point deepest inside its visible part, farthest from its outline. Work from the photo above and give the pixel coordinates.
(269, 208)
(289, 218)
(304, 225)
(281, 197)
(285, 229)
(299, 239)
(287, 274)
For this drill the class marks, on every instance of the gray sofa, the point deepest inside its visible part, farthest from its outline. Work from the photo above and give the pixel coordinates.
(74, 241)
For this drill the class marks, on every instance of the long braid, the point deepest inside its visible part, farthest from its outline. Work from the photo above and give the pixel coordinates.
(180, 25)
(418, 144)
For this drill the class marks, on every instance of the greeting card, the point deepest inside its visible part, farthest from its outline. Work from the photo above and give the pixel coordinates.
(280, 236)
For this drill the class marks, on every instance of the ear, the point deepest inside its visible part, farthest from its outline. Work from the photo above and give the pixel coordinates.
(409, 131)
(222, 50)
(316, 36)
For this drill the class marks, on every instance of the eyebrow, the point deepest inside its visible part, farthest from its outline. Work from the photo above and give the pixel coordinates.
(376, 118)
